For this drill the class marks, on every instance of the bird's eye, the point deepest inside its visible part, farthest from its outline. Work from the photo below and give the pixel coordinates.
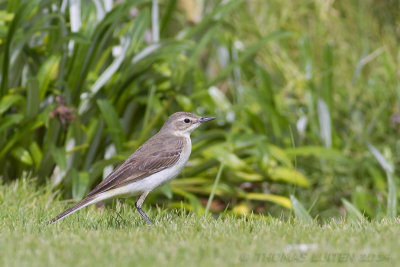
(186, 120)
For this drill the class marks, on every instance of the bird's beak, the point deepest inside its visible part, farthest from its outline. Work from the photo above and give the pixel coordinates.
(204, 119)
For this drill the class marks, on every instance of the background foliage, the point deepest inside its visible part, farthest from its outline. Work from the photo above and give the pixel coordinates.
(306, 94)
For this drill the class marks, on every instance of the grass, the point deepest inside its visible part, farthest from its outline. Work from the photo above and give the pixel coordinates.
(119, 237)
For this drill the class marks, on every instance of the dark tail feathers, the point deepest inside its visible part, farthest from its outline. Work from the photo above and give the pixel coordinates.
(67, 212)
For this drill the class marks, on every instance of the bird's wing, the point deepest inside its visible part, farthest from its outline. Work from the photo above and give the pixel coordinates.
(153, 156)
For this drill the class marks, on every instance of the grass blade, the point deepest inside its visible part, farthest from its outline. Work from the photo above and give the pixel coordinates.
(214, 188)
(167, 16)
(353, 213)
(33, 98)
(300, 212)
(306, 56)
(327, 78)
(380, 158)
(392, 190)
(392, 196)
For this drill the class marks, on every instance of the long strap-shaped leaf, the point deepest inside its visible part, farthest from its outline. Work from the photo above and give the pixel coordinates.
(248, 53)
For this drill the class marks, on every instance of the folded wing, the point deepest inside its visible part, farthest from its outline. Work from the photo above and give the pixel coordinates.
(153, 156)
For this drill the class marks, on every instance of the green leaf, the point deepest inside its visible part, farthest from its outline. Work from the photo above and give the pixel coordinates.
(97, 168)
(184, 102)
(220, 100)
(392, 197)
(280, 155)
(80, 184)
(289, 176)
(7, 101)
(385, 164)
(136, 35)
(171, 7)
(392, 191)
(300, 212)
(189, 181)
(248, 53)
(280, 200)
(306, 56)
(327, 75)
(6, 16)
(317, 151)
(114, 126)
(10, 120)
(22, 155)
(248, 176)
(21, 16)
(158, 51)
(166, 190)
(33, 98)
(353, 212)
(48, 72)
(36, 153)
(60, 156)
(214, 188)
(77, 38)
(242, 209)
(93, 138)
(365, 200)
(193, 200)
(102, 33)
(222, 153)
(217, 13)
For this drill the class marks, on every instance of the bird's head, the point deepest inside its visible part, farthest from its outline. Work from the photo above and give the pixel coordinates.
(183, 123)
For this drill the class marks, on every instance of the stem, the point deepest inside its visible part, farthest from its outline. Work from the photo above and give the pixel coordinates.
(210, 199)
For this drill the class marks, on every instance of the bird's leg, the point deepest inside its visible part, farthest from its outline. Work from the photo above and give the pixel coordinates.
(138, 205)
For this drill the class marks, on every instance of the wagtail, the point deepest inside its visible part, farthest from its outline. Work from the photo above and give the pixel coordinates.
(156, 162)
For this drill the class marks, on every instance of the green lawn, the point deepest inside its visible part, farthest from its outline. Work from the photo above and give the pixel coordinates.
(120, 237)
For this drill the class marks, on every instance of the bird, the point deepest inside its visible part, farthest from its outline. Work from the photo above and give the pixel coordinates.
(156, 162)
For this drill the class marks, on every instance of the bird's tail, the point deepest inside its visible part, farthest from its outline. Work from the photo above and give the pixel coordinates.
(86, 202)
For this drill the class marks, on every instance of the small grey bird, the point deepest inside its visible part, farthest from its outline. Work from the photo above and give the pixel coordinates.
(159, 160)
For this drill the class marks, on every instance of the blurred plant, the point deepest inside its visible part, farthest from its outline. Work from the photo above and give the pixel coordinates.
(83, 86)
(84, 83)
